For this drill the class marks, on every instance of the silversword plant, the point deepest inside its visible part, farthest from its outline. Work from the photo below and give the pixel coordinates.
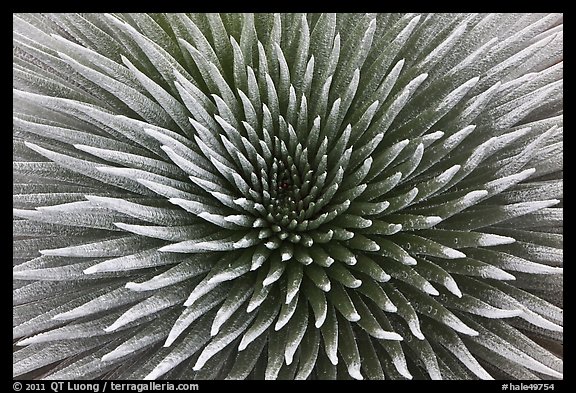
(201, 196)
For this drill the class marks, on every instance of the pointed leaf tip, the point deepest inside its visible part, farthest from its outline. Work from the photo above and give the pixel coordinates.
(91, 270)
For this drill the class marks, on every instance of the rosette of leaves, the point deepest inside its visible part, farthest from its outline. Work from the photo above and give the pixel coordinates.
(287, 196)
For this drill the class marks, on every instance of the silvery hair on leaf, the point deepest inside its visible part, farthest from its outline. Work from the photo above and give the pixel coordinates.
(287, 196)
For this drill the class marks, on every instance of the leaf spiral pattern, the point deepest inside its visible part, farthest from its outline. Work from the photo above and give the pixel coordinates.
(287, 196)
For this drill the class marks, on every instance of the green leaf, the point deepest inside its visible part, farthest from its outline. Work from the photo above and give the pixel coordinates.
(276, 347)
(424, 352)
(88, 168)
(286, 313)
(266, 315)
(341, 300)
(154, 215)
(369, 323)
(247, 358)
(195, 311)
(330, 335)
(296, 330)
(190, 267)
(507, 261)
(40, 315)
(309, 353)
(470, 304)
(159, 58)
(338, 272)
(61, 273)
(425, 305)
(147, 336)
(452, 342)
(318, 276)
(146, 108)
(432, 272)
(34, 357)
(410, 276)
(294, 276)
(473, 267)
(234, 327)
(107, 248)
(190, 344)
(489, 215)
(237, 296)
(496, 339)
(317, 301)
(325, 370)
(348, 348)
(370, 363)
(420, 245)
(405, 310)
